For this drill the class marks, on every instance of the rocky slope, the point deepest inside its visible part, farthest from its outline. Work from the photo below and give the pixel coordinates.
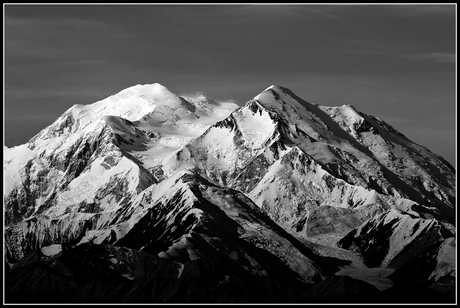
(215, 239)
(393, 238)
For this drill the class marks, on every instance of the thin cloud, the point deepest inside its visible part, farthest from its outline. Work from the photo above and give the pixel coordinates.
(34, 24)
(28, 94)
(252, 14)
(427, 9)
(439, 57)
(193, 95)
(31, 40)
(199, 94)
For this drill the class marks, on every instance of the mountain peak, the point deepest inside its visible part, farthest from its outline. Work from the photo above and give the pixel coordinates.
(154, 89)
(152, 93)
(274, 87)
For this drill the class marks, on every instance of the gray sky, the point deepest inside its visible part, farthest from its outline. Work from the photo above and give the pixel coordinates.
(391, 61)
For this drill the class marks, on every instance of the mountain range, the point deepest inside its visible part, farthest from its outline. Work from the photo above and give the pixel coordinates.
(149, 196)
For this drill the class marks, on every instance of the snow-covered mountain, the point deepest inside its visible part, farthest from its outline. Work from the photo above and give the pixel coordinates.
(104, 152)
(292, 157)
(261, 190)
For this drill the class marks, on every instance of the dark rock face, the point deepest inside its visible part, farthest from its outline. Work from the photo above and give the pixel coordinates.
(87, 273)
(433, 268)
(414, 293)
(27, 236)
(326, 219)
(344, 289)
(91, 273)
(393, 239)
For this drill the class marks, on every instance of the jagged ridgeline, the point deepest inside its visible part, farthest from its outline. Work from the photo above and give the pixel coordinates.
(148, 196)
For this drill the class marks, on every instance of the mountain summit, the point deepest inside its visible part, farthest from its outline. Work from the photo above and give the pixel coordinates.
(148, 196)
